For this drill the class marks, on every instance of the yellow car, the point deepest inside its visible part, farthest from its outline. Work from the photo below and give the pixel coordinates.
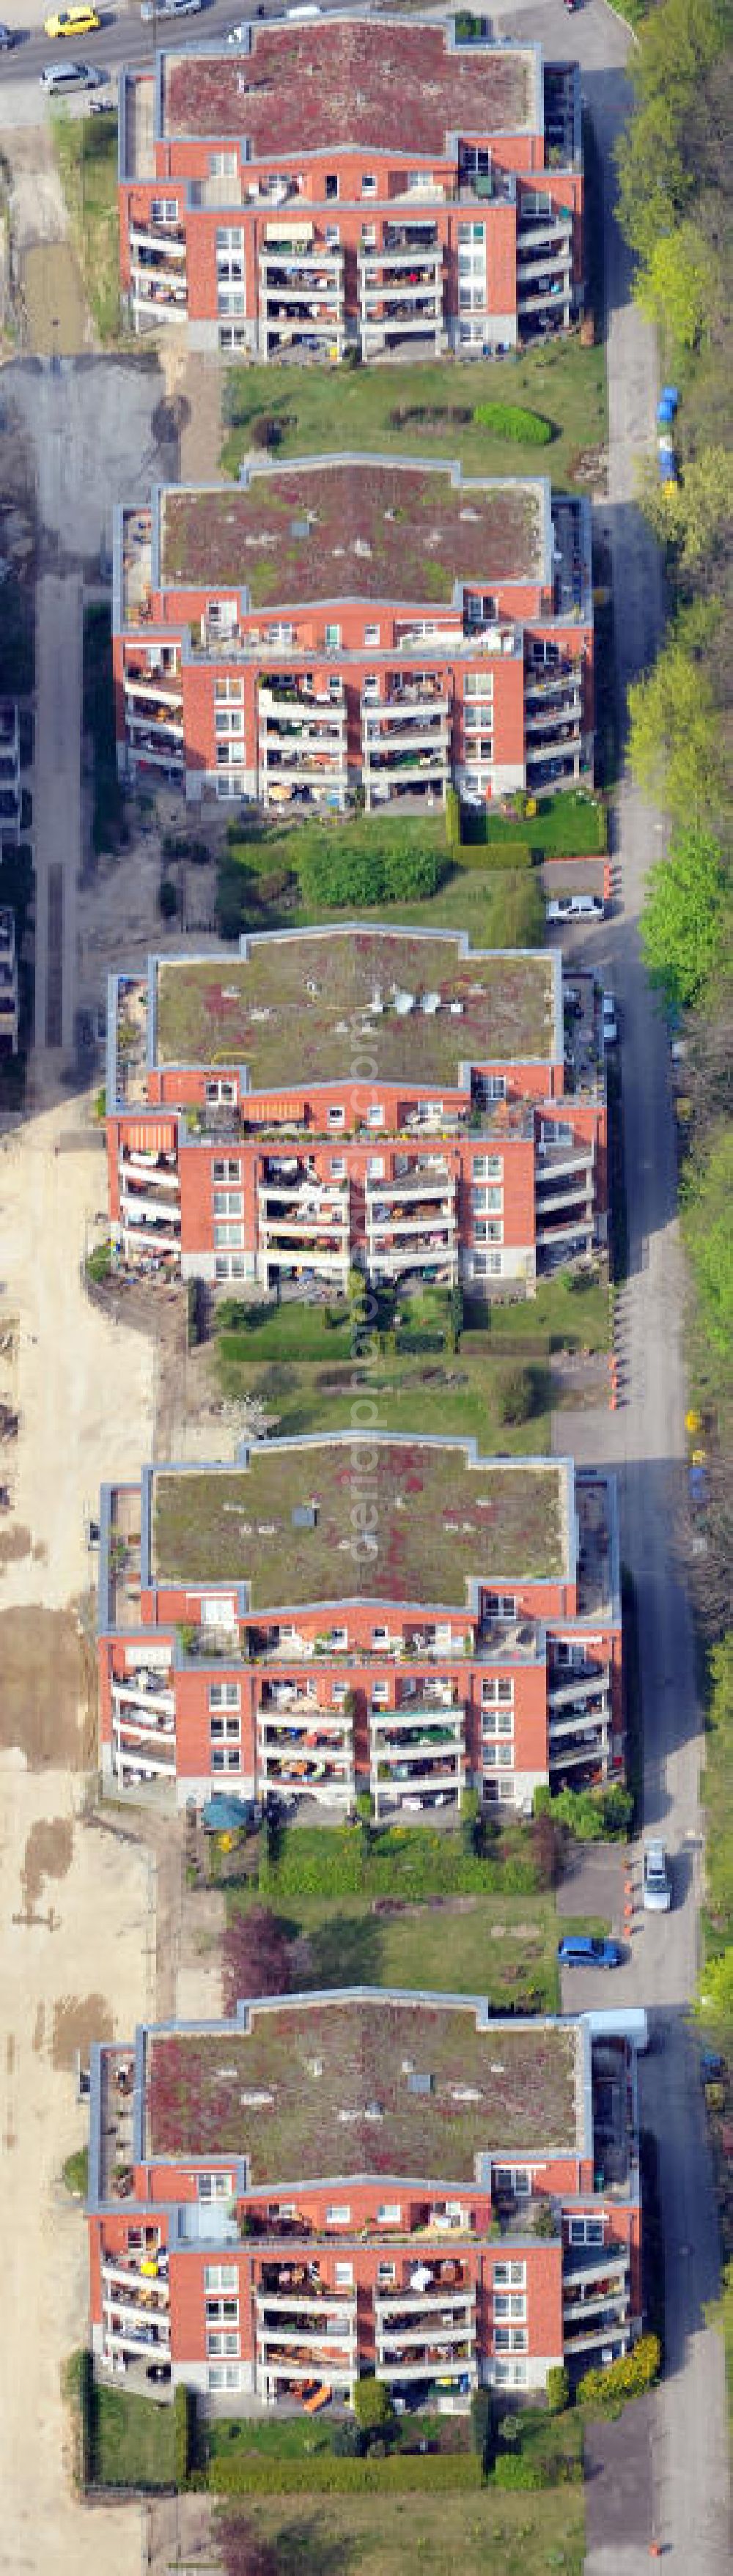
(72, 22)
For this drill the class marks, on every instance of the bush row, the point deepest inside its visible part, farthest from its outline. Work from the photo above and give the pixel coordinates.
(445, 2473)
(514, 420)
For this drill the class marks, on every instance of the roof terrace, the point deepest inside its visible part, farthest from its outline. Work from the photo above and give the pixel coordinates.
(364, 2082)
(353, 528)
(308, 1521)
(306, 88)
(292, 1008)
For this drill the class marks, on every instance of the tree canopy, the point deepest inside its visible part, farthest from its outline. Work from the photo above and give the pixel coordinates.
(708, 1198)
(683, 911)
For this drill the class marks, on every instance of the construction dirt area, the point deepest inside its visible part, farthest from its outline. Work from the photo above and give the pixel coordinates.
(50, 292)
(94, 1935)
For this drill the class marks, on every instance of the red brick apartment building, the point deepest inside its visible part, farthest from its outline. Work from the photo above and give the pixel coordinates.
(354, 627)
(387, 1098)
(365, 2181)
(361, 1613)
(366, 185)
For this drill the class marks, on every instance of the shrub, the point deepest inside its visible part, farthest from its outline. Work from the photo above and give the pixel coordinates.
(510, 2471)
(513, 420)
(558, 2389)
(517, 1398)
(481, 2423)
(547, 1839)
(75, 2170)
(255, 1956)
(266, 430)
(373, 2406)
(99, 1263)
(629, 2377)
(477, 852)
(348, 2440)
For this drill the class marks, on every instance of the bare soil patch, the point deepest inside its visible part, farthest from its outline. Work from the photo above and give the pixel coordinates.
(53, 296)
(77, 2020)
(13, 1544)
(44, 1686)
(48, 1852)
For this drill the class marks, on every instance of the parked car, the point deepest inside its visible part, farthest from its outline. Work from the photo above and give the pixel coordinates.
(7, 38)
(60, 76)
(657, 1889)
(79, 21)
(575, 907)
(610, 1020)
(170, 9)
(586, 1950)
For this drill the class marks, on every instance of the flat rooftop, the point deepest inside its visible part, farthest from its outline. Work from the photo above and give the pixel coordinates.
(291, 1523)
(292, 1009)
(336, 2096)
(357, 528)
(313, 88)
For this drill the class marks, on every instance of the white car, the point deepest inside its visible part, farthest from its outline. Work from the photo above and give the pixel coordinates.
(610, 1020)
(657, 1890)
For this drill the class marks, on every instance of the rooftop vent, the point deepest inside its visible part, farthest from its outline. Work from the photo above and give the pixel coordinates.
(404, 1003)
(497, 2068)
(417, 2083)
(408, 2065)
(314, 2065)
(303, 1516)
(430, 1004)
(465, 2093)
(374, 2111)
(257, 2101)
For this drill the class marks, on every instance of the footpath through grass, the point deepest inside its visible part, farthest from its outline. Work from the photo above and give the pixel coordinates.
(427, 410)
(86, 152)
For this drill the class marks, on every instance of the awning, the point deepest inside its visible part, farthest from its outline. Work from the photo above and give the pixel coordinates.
(153, 1138)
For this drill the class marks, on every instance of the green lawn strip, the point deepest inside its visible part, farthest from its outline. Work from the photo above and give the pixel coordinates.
(86, 152)
(501, 1946)
(497, 908)
(134, 2441)
(378, 408)
(571, 1310)
(373, 2535)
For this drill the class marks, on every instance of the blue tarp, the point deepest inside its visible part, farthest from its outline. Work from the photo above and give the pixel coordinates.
(228, 1815)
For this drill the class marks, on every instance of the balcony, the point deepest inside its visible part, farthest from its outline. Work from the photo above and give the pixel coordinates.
(143, 1208)
(154, 1173)
(164, 240)
(153, 687)
(577, 1685)
(426, 2333)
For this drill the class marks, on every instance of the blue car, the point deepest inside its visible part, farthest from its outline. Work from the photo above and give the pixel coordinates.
(581, 1950)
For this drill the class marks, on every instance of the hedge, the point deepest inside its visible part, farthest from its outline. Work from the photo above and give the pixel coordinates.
(629, 2377)
(184, 2433)
(77, 2383)
(445, 2473)
(513, 420)
(411, 1862)
(512, 2471)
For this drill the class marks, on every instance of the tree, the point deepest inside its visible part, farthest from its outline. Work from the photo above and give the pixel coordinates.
(242, 2551)
(372, 2405)
(677, 285)
(708, 1232)
(517, 1397)
(256, 1956)
(673, 725)
(682, 916)
(558, 2389)
(715, 2000)
(696, 514)
(548, 1841)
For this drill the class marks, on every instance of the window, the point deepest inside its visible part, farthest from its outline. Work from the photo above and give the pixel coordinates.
(499, 1605)
(333, 236)
(224, 2375)
(228, 692)
(222, 2311)
(510, 2303)
(228, 720)
(488, 1229)
(231, 1234)
(229, 247)
(332, 638)
(344, 2276)
(380, 1695)
(499, 1757)
(495, 1086)
(222, 165)
(164, 210)
(335, 1115)
(375, 1167)
(216, 2341)
(338, 1693)
(337, 1168)
(375, 1115)
(230, 337)
(513, 2273)
(487, 1167)
(369, 236)
(586, 2231)
(371, 636)
(221, 616)
(389, 2213)
(223, 1694)
(220, 2276)
(214, 2186)
(229, 299)
(500, 1687)
(332, 185)
(380, 1636)
(225, 1169)
(339, 1637)
(228, 1203)
(510, 2374)
(386, 2274)
(228, 1265)
(487, 1265)
(338, 2214)
(221, 1094)
(418, 181)
(368, 184)
(483, 1200)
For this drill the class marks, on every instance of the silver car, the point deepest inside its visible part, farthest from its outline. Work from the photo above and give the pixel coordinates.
(657, 1889)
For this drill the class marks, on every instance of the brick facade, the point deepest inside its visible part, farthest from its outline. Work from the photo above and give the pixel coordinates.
(278, 234)
(438, 2282)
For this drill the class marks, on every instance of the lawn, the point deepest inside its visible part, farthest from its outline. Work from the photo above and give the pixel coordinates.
(371, 2535)
(501, 1946)
(133, 2441)
(444, 1397)
(427, 411)
(86, 152)
(499, 908)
